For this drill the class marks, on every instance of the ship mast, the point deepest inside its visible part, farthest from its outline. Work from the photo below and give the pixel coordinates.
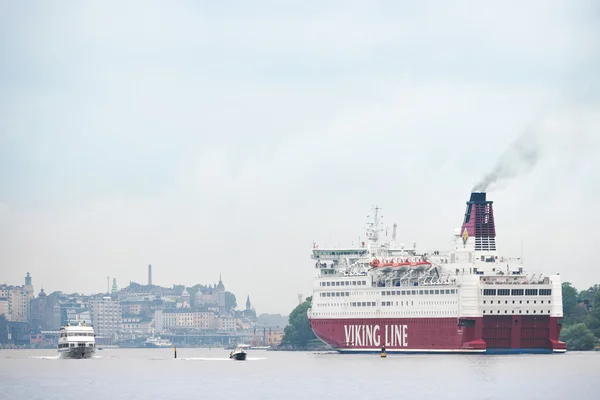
(373, 229)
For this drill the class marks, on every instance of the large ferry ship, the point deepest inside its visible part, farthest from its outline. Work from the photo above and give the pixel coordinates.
(467, 300)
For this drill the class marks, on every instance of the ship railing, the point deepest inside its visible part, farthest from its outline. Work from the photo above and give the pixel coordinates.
(517, 282)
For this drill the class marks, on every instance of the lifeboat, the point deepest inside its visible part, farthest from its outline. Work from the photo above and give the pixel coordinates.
(387, 265)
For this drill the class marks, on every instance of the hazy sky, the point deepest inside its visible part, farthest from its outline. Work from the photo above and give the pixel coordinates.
(209, 138)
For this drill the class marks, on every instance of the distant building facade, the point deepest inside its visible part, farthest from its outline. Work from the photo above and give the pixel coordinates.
(14, 301)
(181, 319)
(106, 316)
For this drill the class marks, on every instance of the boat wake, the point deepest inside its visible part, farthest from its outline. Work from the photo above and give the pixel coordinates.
(219, 359)
(44, 357)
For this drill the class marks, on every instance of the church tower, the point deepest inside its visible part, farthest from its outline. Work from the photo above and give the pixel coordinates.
(219, 294)
(114, 290)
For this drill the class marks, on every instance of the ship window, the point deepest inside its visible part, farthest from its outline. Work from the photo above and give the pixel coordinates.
(383, 293)
(484, 302)
(413, 292)
(545, 292)
(427, 292)
(489, 292)
(420, 292)
(505, 311)
(517, 292)
(549, 301)
(438, 292)
(548, 311)
(503, 292)
(453, 291)
(328, 283)
(484, 311)
(531, 292)
(394, 293)
(364, 304)
(347, 283)
(347, 293)
(354, 282)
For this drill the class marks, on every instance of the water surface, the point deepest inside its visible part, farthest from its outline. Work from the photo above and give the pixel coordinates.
(209, 374)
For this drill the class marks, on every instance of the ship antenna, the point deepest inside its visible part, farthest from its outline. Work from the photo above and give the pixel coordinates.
(521, 251)
(373, 228)
(394, 235)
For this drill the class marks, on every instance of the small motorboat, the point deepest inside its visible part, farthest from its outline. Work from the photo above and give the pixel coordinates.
(238, 354)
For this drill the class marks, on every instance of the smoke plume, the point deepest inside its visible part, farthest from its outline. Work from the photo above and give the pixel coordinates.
(570, 134)
(520, 157)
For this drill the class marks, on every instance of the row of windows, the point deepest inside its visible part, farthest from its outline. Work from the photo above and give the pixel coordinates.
(517, 292)
(335, 294)
(513, 312)
(340, 252)
(364, 304)
(378, 313)
(385, 303)
(343, 283)
(71, 334)
(415, 292)
(520, 301)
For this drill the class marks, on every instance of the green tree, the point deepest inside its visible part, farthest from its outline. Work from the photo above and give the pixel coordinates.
(593, 318)
(230, 301)
(178, 289)
(590, 294)
(578, 337)
(193, 291)
(298, 333)
(569, 300)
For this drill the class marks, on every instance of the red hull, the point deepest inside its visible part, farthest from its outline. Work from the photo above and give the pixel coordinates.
(489, 334)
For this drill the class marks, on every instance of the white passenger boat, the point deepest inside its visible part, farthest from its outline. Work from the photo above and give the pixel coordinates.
(76, 340)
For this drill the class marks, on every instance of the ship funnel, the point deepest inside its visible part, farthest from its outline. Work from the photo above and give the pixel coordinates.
(477, 197)
(478, 231)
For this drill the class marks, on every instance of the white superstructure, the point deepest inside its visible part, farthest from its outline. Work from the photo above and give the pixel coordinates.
(76, 340)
